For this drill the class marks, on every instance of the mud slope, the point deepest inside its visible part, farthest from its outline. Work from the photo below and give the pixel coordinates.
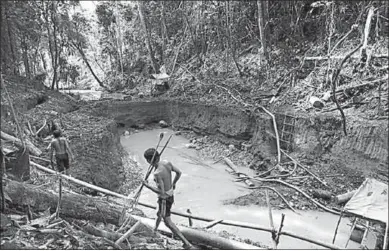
(94, 140)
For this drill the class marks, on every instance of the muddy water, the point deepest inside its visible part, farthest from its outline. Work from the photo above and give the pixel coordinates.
(203, 187)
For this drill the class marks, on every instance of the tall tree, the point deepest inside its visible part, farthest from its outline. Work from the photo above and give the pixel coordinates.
(261, 26)
(143, 20)
(76, 31)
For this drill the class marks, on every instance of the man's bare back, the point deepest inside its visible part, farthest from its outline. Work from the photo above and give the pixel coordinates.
(60, 146)
(164, 172)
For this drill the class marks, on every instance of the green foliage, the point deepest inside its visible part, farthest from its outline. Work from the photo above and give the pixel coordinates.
(203, 36)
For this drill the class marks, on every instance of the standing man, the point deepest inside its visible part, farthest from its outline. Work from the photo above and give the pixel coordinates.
(62, 151)
(165, 191)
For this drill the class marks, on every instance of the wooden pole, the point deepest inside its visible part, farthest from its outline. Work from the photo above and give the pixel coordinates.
(128, 233)
(351, 232)
(190, 218)
(337, 226)
(224, 222)
(59, 198)
(279, 230)
(386, 237)
(273, 234)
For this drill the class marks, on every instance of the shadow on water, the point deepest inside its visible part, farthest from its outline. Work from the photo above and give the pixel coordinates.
(204, 186)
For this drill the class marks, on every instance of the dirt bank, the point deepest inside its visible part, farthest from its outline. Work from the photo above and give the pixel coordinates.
(99, 157)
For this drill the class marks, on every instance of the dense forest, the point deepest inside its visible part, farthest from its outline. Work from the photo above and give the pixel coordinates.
(122, 42)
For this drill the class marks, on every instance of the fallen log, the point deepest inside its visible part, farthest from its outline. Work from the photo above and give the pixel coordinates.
(340, 57)
(80, 182)
(33, 149)
(319, 193)
(343, 198)
(234, 168)
(72, 205)
(364, 84)
(198, 236)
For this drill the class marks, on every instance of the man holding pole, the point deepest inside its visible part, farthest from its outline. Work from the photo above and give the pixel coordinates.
(165, 191)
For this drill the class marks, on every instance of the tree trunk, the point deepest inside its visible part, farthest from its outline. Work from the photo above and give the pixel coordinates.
(232, 46)
(11, 42)
(194, 40)
(119, 38)
(147, 33)
(46, 14)
(55, 65)
(78, 47)
(25, 58)
(2, 172)
(72, 205)
(164, 32)
(43, 61)
(261, 26)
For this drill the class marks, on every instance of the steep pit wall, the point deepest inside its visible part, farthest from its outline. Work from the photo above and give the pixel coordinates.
(364, 149)
(229, 125)
(95, 142)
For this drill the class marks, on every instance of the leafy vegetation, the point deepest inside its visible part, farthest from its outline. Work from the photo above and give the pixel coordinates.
(124, 42)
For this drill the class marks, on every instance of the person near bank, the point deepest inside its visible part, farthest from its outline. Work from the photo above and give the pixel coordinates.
(63, 153)
(165, 190)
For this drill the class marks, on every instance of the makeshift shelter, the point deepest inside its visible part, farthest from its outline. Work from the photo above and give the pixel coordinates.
(370, 202)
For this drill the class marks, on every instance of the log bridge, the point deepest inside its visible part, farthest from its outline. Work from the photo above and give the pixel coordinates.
(213, 221)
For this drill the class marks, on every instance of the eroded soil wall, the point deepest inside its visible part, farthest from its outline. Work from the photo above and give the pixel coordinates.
(365, 148)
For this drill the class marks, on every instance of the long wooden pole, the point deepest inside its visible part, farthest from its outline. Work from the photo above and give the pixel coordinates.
(337, 226)
(273, 234)
(386, 237)
(351, 232)
(224, 222)
(275, 131)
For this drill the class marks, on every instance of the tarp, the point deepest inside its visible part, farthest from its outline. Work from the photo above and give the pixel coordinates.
(370, 201)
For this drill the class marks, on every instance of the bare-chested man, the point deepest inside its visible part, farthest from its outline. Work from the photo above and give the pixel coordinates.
(165, 190)
(62, 151)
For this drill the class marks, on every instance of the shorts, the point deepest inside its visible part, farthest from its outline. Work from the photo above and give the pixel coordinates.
(169, 204)
(62, 161)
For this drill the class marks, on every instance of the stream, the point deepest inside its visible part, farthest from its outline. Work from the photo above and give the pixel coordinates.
(204, 186)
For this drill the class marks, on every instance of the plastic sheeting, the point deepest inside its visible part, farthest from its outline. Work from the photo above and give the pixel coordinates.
(370, 201)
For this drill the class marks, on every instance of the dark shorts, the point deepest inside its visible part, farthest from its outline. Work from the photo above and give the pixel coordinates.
(62, 161)
(169, 204)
